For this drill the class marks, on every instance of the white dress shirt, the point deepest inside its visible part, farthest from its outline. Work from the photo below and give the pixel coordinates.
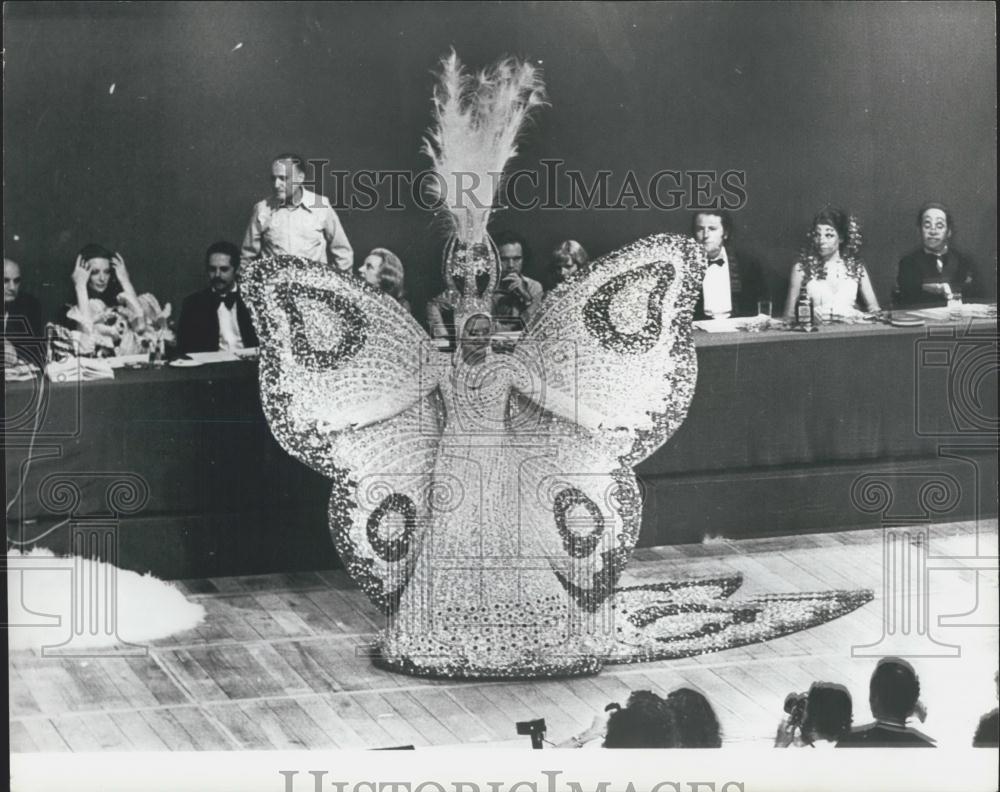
(715, 289)
(230, 337)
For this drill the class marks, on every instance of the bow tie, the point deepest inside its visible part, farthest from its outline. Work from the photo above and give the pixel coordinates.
(229, 299)
(719, 261)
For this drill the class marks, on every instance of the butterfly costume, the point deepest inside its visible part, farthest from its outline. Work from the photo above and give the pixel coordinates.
(484, 499)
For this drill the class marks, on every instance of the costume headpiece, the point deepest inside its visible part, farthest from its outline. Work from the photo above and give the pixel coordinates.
(474, 135)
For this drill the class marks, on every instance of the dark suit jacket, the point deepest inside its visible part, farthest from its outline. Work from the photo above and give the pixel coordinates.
(920, 267)
(746, 285)
(23, 328)
(987, 733)
(198, 329)
(885, 735)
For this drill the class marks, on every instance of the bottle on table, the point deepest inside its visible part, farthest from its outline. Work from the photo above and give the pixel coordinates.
(805, 316)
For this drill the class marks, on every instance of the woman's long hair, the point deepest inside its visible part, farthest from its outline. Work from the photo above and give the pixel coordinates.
(390, 274)
(848, 229)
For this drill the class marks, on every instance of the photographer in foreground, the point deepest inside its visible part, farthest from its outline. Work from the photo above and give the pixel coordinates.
(817, 719)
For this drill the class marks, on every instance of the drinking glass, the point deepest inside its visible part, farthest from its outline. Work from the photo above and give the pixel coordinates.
(955, 305)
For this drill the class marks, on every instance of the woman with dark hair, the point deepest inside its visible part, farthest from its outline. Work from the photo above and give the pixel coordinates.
(105, 315)
(697, 726)
(830, 271)
(646, 721)
(383, 270)
(100, 275)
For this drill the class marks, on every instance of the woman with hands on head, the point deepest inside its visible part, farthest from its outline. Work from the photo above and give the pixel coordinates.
(100, 275)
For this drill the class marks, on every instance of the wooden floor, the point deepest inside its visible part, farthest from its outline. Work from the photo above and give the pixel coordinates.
(279, 662)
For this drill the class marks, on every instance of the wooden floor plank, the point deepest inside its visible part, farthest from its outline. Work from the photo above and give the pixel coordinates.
(205, 734)
(22, 702)
(290, 623)
(107, 731)
(131, 690)
(73, 729)
(20, 739)
(162, 723)
(443, 708)
(371, 734)
(45, 735)
(338, 730)
(245, 729)
(391, 712)
(141, 736)
(285, 678)
(310, 660)
(301, 730)
(192, 675)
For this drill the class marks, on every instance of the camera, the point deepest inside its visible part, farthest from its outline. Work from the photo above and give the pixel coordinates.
(534, 729)
(795, 707)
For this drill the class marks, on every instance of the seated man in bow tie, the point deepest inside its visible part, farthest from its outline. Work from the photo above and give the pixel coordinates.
(216, 318)
(734, 281)
(930, 274)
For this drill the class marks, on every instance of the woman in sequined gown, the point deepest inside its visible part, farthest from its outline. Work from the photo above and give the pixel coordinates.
(480, 597)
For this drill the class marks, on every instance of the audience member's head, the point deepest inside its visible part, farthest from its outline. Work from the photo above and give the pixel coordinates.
(514, 252)
(103, 282)
(936, 226)
(288, 172)
(222, 260)
(568, 260)
(383, 270)
(696, 724)
(11, 280)
(712, 229)
(829, 711)
(646, 722)
(894, 690)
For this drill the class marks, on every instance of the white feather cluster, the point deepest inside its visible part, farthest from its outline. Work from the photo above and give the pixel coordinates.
(474, 136)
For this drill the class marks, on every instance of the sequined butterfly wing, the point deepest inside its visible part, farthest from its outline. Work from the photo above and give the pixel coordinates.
(347, 389)
(606, 373)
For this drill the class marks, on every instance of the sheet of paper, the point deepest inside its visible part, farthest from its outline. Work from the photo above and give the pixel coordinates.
(213, 357)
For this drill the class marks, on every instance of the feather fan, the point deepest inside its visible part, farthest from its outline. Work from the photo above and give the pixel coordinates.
(476, 125)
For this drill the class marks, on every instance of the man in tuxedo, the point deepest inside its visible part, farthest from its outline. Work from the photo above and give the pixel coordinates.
(929, 275)
(734, 280)
(893, 695)
(216, 318)
(22, 320)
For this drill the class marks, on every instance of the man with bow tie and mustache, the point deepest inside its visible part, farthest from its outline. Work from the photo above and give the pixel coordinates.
(216, 318)
(734, 281)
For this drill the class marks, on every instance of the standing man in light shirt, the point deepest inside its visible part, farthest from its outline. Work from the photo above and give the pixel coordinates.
(734, 280)
(295, 221)
(216, 318)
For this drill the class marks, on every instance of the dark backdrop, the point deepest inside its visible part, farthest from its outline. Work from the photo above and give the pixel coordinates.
(875, 107)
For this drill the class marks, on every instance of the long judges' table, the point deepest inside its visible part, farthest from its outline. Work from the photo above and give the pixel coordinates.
(787, 433)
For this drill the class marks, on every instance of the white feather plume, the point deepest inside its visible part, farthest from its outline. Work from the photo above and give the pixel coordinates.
(476, 125)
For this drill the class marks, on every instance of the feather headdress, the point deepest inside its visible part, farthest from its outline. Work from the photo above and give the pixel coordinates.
(474, 136)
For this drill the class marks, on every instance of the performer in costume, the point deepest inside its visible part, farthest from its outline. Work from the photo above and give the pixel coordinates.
(485, 501)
